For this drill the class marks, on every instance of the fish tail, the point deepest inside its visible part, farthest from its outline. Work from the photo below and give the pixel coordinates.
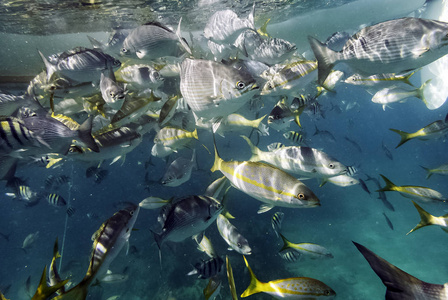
(262, 128)
(95, 43)
(56, 250)
(85, 135)
(44, 291)
(50, 68)
(390, 186)
(158, 238)
(286, 243)
(421, 90)
(428, 172)
(195, 134)
(182, 41)
(218, 160)
(326, 58)
(297, 115)
(254, 285)
(404, 136)
(399, 284)
(426, 218)
(254, 149)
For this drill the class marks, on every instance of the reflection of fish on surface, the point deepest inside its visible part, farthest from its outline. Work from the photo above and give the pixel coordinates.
(399, 284)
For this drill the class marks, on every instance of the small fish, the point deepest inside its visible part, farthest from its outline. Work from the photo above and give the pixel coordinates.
(153, 203)
(386, 48)
(53, 274)
(9, 103)
(185, 217)
(364, 186)
(213, 288)
(441, 170)
(179, 171)
(79, 64)
(55, 200)
(266, 183)
(71, 211)
(205, 246)
(113, 93)
(292, 288)
(175, 138)
(310, 250)
(340, 180)
(150, 41)
(398, 94)
(388, 221)
(352, 171)
(224, 26)
(236, 122)
(387, 151)
(113, 278)
(217, 188)
(213, 89)
(289, 255)
(324, 134)
(114, 43)
(232, 236)
(97, 174)
(354, 144)
(25, 194)
(399, 284)
(29, 240)
(417, 193)
(282, 115)
(276, 222)
(375, 80)
(426, 219)
(140, 76)
(208, 268)
(294, 136)
(52, 182)
(5, 236)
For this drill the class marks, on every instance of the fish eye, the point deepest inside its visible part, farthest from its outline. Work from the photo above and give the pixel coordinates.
(111, 94)
(301, 196)
(131, 212)
(239, 245)
(331, 166)
(240, 85)
(124, 50)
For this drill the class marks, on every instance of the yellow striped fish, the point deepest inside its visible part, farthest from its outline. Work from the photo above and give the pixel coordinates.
(175, 138)
(441, 170)
(428, 219)
(289, 288)
(266, 183)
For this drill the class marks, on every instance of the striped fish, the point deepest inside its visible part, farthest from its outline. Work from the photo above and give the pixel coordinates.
(55, 200)
(274, 146)
(276, 222)
(208, 268)
(266, 183)
(213, 89)
(394, 46)
(289, 288)
(294, 136)
(14, 135)
(289, 255)
(441, 170)
(175, 138)
(56, 182)
(310, 250)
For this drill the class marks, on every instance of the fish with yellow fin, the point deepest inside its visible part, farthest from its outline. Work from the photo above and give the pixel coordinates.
(290, 288)
(428, 219)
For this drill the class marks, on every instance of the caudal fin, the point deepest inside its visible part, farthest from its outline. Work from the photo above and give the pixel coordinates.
(85, 135)
(50, 68)
(425, 218)
(400, 285)
(254, 149)
(403, 135)
(326, 59)
(428, 172)
(389, 185)
(253, 287)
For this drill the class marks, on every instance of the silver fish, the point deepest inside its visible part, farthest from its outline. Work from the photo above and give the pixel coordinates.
(213, 89)
(185, 217)
(114, 43)
(79, 64)
(232, 236)
(151, 41)
(142, 76)
(394, 46)
(29, 240)
(112, 92)
(179, 171)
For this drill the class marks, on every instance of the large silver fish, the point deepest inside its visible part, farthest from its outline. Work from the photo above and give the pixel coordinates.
(151, 41)
(79, 64)
(232, 236)
(185, 217)
(394, 46)
(213, 89)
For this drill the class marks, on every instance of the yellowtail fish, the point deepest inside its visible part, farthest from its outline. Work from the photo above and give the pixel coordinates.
(282, 115)
(53, 274)
(398, 94)
(441, 170)
(133, 107)
(153, 203)
(303, 161)
(213, 89)
(289, 288)
(427, 219)
(232, 236)
(213, 288)
(310, 250)
(374, 80)
(399, 284)
(266, 183)
(418, 193)
(231, 279)
(44, 291)
(236, 122)
(175, 138)
(394, 46)
(205, 245)
(290, 79)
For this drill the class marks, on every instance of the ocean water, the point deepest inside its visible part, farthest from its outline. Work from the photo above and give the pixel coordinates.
(346, 214)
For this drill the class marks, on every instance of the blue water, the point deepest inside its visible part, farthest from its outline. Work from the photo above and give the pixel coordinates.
(347, 214)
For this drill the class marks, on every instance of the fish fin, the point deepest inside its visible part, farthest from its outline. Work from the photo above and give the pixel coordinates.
(326, 58)
(425, 218)
(262, 30)
(43, 290)
(254, 149)
(85, 135)
(254, 285)
(419, 52)
(286, 243)
(50, 68)
(217, 163)
(140, 54)
(264, 208)
(389, 185)
(95, 43)
(428, 172)
(216, 124)
(421, 91)
(399, 284)
(323, 182)
(403, 135)
(52, 162)
(182, 41)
